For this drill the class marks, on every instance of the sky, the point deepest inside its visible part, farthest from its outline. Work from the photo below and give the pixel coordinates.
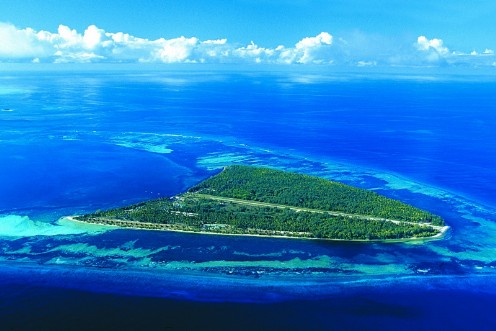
(323, 32)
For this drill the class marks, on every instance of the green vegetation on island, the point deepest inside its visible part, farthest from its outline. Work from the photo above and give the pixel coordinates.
(260, 201)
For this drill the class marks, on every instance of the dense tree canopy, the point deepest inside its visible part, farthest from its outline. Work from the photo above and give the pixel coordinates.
(280, 187)
(248, 200)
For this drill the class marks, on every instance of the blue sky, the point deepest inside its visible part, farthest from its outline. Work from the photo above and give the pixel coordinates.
(362, 32)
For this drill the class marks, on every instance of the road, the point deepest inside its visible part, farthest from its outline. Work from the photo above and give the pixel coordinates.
(442, 229)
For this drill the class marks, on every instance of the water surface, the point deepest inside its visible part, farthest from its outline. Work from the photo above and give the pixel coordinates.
(72, 143)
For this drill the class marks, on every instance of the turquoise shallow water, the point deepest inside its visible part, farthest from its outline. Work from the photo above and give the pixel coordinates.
(468, 248)
(74, 143)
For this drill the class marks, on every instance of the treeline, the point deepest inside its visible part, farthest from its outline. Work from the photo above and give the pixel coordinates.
(163, 211)
(201, 214)
(291, 189)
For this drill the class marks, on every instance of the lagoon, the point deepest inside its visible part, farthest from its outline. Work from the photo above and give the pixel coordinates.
(77, 142)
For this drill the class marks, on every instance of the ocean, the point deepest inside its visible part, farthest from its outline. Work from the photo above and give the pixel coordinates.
(73, 142)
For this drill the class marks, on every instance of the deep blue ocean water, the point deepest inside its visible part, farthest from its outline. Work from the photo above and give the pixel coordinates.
(74, 142)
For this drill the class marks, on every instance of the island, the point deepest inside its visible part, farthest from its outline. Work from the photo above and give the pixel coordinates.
(247, 200)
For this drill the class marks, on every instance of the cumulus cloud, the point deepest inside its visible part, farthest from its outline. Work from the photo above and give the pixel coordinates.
(97, 45)
(19, 43)
(433, 51)
(435, 44)
(253, 53)
(176, 50)
(308, 50)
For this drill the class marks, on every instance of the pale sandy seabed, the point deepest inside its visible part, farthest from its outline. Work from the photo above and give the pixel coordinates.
(466, 254)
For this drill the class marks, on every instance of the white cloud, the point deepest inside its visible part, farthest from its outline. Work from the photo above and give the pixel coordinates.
(425, 44)
(323, 38)
(216, 42)
(67, 37)
(433, 49)
(254, 53)
(94, 44)
(77, 57)
(97, 45)
(175, 50)
(312, 49)
(92, 37)
(19, 43)
(366, 63)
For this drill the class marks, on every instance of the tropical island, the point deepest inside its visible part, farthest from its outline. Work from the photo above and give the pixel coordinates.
(245, 200)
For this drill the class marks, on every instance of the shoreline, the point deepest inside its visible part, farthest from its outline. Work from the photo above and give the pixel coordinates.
(135, 226)
(366, 169)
